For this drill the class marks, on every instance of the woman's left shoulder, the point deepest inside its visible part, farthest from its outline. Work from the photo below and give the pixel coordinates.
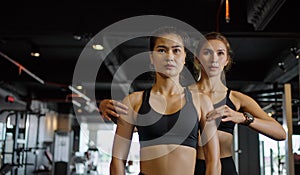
(239, 96)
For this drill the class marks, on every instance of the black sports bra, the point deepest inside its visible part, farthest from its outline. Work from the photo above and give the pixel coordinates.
(179, 128)
(226, 126)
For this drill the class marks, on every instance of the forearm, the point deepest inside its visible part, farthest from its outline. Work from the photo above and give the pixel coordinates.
(262, 123)
(213, 163)
(212, 156)
(213, 167)
(117, 167)
(270, 128)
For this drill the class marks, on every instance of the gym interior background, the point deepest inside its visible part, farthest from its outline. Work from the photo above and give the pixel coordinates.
(50, 126)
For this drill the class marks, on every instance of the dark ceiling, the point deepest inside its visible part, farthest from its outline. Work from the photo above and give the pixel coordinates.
(61, 29)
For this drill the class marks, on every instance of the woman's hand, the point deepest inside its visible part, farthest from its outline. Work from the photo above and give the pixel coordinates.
(227, 114)
(111, 109)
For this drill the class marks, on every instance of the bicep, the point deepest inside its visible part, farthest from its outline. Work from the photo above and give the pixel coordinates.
(123, 134)
(248, 104)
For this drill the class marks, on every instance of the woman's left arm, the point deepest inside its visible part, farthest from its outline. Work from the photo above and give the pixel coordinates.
(262, 123)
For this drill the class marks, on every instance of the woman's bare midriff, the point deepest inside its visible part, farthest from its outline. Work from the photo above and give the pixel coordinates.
(225, 140)
(167, 159)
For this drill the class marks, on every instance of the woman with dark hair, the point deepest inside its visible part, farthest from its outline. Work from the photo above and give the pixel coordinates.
(168, 117)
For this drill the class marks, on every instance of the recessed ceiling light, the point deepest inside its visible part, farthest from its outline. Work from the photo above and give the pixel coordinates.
(35, 50)
(98, 47)
(35, 54)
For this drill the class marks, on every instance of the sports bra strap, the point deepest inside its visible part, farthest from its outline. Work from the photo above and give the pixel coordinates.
(228, 93)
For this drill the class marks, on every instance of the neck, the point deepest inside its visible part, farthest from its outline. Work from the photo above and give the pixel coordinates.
(167, 85)
(211, 84)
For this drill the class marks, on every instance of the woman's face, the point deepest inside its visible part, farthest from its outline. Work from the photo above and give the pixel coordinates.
(213, 57)
(168, 55)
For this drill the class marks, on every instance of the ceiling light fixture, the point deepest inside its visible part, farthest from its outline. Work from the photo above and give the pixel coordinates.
(35, 54)
(98, 47)
(77, 37)
(85, 37)
(281, 66)
(296, 52)
(79, 87)
(227, 15)
(35, 50)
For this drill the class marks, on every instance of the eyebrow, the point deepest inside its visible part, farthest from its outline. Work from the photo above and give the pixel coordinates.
(217, 49)
(222, 50)
(163, 46)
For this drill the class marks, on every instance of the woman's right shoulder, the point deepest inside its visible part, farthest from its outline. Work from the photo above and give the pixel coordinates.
(134, 97)
(136, 94)
(134, 100)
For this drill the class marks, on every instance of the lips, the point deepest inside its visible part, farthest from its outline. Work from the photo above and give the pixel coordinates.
(214, 67)
(169, 66)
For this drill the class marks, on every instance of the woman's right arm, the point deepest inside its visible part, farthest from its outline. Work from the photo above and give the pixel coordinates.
(122, 139)
(112, 109)
(210, 139)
